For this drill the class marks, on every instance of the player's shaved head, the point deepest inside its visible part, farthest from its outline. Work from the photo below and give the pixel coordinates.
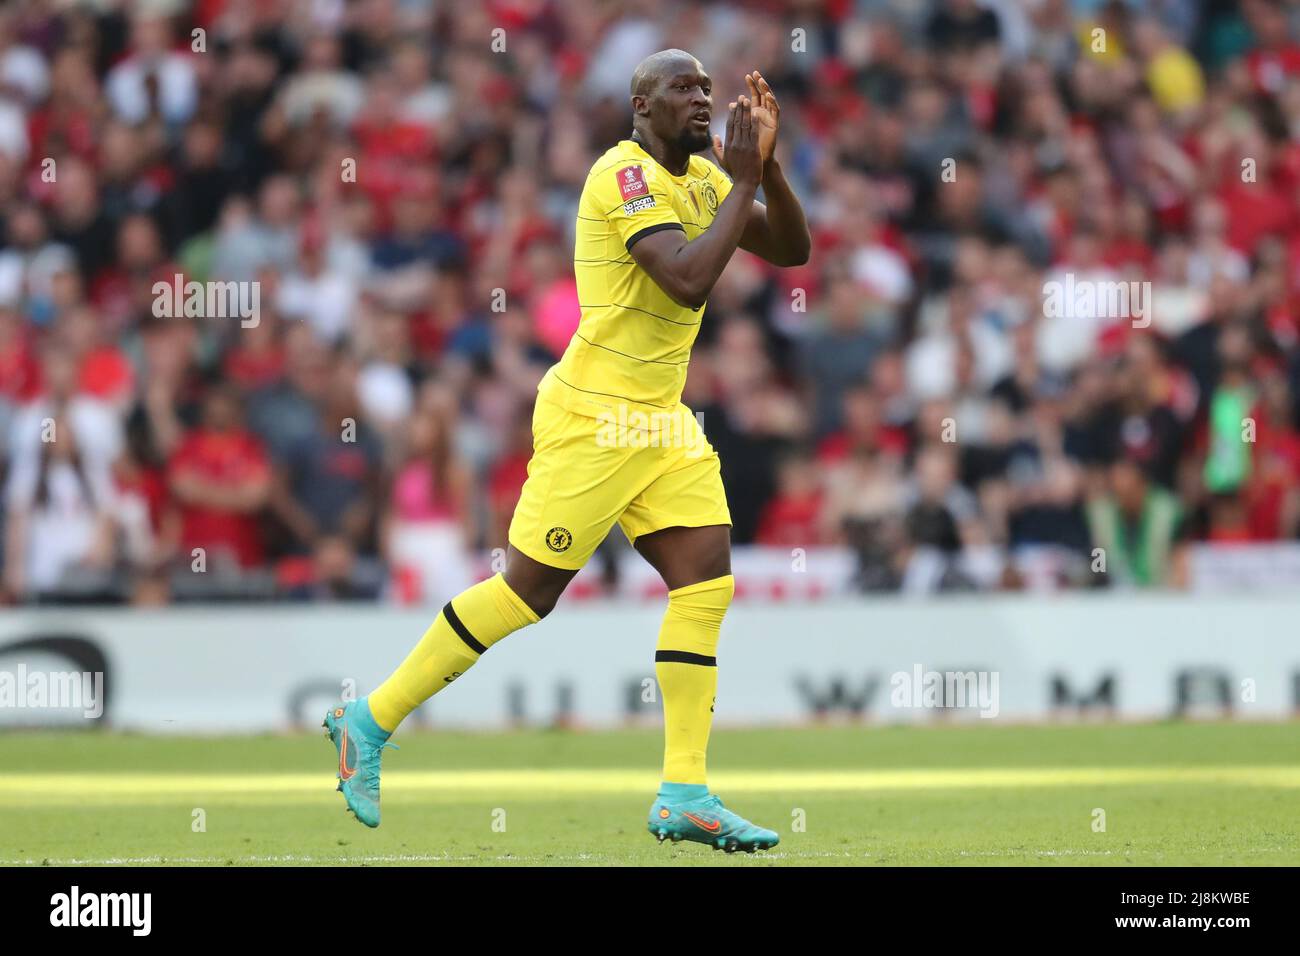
(657, 67)
(672, 100)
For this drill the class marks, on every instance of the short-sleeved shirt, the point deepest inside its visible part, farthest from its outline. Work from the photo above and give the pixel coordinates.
(328, 475)
(231, 458)
(633, 342)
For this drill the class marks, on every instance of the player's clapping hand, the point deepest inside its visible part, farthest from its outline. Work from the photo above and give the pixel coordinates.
(766, 117)
(767, 114)
(740, 157)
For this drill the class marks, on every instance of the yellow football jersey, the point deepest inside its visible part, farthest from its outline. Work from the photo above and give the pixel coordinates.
(633, 341)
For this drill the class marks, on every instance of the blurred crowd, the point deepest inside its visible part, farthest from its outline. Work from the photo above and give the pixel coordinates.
(400, 179)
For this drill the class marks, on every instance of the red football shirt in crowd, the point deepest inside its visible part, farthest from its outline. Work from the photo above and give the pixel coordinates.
(228, 458)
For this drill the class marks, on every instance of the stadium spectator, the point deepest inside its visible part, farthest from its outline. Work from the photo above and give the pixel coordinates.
(326, 479)
(220, 480)
(1135, 523)
(836, 353)
(790, 519)
(59, 516)
(405, 199)
(424, 528)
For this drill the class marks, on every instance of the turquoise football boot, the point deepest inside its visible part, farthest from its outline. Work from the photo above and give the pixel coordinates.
(689, 812)
(360, 743)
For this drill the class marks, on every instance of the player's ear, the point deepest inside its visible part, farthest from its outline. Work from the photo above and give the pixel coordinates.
(640, 105)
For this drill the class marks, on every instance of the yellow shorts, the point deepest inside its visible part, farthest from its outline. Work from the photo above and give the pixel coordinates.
(586, 473)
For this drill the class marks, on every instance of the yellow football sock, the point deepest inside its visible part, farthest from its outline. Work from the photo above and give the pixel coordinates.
(686, 665)
(467, 626)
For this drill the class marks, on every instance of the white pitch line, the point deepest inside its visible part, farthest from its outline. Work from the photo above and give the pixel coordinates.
(877, 857)
(38, 789)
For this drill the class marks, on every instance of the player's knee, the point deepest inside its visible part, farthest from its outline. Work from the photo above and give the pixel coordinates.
(538, 585)
(542, 602)
(537, 588)
(705, 602)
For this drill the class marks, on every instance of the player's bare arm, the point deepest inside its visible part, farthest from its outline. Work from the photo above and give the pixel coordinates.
(776, 231)
(688, 270)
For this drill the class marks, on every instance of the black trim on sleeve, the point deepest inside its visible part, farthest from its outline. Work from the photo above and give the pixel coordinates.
(684, 657)
(657, 227)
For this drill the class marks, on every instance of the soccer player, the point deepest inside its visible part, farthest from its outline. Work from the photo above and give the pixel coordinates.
(656, 226)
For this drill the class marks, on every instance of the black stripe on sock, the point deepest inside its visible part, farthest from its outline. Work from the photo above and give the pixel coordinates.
(461, 630)
(684, 657)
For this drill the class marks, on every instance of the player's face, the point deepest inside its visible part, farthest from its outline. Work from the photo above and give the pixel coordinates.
(683, 109)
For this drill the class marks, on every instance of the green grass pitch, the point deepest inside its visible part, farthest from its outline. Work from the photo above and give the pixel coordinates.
(1188, 793)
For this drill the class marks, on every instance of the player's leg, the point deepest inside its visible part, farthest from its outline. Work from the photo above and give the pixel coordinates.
(695, 563)
(681, 525)
(464, 629)
(558, 522)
